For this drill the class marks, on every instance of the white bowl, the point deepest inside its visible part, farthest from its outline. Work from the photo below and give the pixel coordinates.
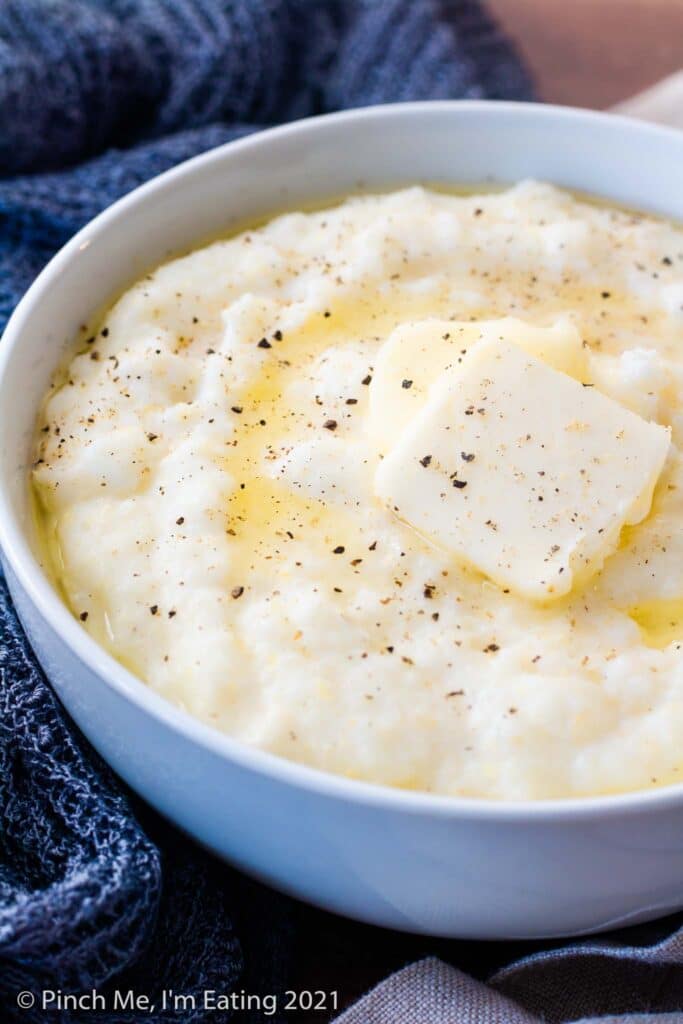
(455, 867)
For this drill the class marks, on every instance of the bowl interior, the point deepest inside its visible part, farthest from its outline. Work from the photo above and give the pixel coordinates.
(450, 143)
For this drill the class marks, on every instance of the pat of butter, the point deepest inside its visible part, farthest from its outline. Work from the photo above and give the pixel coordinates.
(416, 353)
(521, 471)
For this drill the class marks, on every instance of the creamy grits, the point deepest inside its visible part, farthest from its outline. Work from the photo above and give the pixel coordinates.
(394, 489)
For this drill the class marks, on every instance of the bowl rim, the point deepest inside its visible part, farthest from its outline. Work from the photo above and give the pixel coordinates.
(43, 596)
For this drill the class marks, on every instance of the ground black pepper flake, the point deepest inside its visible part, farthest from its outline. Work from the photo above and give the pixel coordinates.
(456, 693)
(428, 591)
(467, 456)
(172, 613)
(339, 550)
(237, 409)
(278, 335)
(154, 609)
(152, 437)
(373, 546)
(83, 616)
(352, 401)
(330, 424)
(236, 592)
(491, 649)
(460, 484)
(367, 380)
(425, 460)
(406, 383)
(264, 343)
(105, 332)
(605, 295)
(180, 520)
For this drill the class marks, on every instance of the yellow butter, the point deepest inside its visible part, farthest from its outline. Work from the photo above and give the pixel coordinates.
(418, 352)
(522, 471)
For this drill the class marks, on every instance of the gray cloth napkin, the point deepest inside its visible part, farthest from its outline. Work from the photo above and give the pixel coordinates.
(630, 977)
(432, 992)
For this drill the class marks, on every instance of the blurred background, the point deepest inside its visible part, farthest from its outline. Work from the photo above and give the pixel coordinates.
(594, 53)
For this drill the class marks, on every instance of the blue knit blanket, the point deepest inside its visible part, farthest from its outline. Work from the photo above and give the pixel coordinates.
(96, 96)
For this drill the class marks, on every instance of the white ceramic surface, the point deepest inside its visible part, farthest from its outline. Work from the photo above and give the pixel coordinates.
(410, 861)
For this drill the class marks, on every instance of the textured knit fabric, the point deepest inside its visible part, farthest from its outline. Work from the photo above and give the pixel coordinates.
(97, 96)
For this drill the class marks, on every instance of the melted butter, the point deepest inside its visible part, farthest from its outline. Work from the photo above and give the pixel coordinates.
(263, 512)
(266, 516)
(271, 524)
(268, 519)
(660, 622)
(46, 538)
